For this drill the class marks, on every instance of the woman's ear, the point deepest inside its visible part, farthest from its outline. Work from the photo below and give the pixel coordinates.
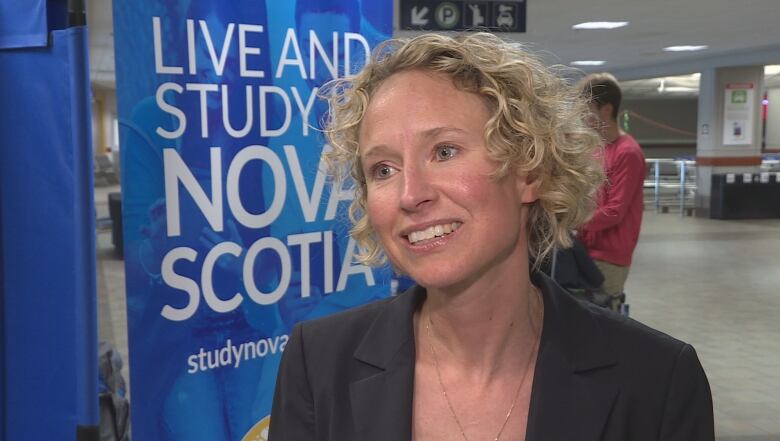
(528, 186)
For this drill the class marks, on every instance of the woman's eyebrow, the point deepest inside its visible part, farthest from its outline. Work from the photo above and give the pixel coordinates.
(379, 150)
(436, 131)
(384, 150)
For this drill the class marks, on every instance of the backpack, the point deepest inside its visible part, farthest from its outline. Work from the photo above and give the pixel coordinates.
(114, 405)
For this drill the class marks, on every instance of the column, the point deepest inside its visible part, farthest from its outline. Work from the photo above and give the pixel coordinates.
(773, 121)
(729, 126)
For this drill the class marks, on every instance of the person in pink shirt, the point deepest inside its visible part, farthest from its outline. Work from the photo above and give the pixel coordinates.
(612, 234)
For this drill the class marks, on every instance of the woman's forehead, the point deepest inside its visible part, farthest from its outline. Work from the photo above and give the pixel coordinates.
(421, 91)
(420, 106)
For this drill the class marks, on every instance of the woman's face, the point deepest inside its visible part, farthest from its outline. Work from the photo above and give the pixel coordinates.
(439, 215)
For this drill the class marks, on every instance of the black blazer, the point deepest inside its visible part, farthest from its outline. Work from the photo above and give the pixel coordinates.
(599, 376)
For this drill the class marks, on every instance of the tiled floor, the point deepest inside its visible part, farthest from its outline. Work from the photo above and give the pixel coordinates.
(714, 284)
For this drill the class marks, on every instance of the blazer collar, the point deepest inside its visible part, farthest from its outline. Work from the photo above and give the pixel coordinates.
(569, 326)
(391, 330)
(382, 402)
(572, 394)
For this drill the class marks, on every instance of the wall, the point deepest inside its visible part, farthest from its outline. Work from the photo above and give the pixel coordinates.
(665, 128)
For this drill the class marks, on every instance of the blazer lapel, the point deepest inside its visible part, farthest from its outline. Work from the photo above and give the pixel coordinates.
(572, 395)
(382, 401)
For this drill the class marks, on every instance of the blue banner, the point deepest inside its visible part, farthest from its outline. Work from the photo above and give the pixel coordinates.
(232, 232)
(27, 23)
(23, 24)
(48, 320)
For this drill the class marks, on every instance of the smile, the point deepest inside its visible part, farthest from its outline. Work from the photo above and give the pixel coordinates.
(433, 231)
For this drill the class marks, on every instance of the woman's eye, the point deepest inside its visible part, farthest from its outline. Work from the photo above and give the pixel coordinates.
(383, 171)
(445, 152)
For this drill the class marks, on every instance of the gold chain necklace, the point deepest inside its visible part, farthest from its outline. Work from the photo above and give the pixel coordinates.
(429, 330)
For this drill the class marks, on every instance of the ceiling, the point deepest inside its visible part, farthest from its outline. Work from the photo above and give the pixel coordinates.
(744, 32)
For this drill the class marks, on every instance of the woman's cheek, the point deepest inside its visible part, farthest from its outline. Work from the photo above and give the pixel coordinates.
(378, 211)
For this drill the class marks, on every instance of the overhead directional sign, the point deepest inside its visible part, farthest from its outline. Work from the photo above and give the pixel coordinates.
(447, 15)
(463, 15)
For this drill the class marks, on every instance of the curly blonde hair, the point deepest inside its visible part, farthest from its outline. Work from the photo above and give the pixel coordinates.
(536, 128)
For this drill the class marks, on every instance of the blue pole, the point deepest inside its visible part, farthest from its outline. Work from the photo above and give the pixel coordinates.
(85, 300)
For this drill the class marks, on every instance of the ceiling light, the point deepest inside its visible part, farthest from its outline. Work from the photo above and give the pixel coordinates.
(685, 48)
(679, 89)
(772, 69)
(600, 25)
(587, 63)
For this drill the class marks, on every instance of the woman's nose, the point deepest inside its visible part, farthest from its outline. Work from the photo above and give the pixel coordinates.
(418, 191)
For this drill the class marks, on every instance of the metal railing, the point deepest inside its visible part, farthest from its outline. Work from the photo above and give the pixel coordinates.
(770, 164)
(671, 184)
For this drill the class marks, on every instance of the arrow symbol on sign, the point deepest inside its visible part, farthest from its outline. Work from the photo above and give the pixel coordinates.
(418, 16)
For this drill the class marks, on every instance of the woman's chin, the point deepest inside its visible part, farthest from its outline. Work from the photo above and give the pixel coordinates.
(439, 281)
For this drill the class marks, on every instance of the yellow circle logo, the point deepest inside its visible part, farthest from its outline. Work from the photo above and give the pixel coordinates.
(258, 432)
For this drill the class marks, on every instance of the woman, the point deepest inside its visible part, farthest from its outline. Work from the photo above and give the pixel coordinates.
(472, 162)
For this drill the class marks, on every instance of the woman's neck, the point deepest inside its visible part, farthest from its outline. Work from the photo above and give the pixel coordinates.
(484, 329)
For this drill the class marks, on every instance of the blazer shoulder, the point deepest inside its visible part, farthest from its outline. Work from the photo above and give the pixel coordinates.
(347, 322)
(636, 343)
(352, 344)
(660, 377)
(588, 329)
(385, 322)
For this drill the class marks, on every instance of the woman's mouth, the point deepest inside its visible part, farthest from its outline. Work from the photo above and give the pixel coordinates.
(432, 232)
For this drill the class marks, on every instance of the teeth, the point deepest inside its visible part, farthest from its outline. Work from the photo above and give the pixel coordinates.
(434, 231)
